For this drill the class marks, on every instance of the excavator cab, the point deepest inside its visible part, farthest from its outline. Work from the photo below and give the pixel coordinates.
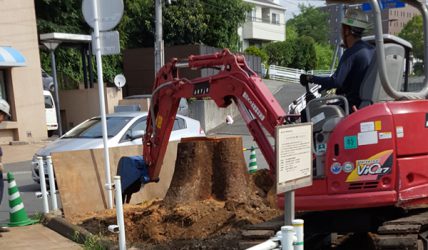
(326, 112)
(377, 155)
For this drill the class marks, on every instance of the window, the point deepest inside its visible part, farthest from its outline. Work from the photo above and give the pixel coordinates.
(251, 15)
(266, 15)
(179, 124)
(3, 85)
(92, 128)
(275, 18)
(48, 102)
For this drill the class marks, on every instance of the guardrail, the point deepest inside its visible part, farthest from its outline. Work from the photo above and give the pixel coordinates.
(290, 74)
(285, 74)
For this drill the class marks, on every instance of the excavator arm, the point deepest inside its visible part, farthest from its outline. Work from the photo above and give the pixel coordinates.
(234, 82)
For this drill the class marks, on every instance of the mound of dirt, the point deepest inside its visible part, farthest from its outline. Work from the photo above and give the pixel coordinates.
(157, 223)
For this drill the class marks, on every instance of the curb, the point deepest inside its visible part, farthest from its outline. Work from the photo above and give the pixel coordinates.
(71, 231)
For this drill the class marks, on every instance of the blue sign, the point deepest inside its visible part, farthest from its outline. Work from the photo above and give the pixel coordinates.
(385, 4)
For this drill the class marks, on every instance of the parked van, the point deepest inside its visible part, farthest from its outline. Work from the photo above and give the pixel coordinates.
(51, 121)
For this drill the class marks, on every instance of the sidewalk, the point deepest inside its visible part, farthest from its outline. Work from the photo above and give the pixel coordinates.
(21, 152)
(34, 236)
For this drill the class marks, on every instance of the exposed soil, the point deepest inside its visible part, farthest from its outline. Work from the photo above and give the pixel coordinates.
(191, 225)
(210, 199)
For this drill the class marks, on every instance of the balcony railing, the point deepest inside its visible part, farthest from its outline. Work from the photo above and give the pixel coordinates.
(262, 20)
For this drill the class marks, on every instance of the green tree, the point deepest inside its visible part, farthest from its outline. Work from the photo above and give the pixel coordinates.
(324, 54)
(305, 53)
(253, 50)
(412, 32)
(184, 23)
(311, 22)
(223, 19)
(211, 22)
(280, 53)
(291, 32)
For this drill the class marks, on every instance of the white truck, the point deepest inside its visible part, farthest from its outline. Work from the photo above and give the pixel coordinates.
(50, 110)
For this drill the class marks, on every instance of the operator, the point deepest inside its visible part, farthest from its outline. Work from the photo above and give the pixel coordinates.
(4, 114)
(353, 64)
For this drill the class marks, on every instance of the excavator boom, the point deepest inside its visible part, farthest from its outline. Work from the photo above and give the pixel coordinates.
(234, 82)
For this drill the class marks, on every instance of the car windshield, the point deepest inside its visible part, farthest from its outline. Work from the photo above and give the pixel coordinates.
(92, 128)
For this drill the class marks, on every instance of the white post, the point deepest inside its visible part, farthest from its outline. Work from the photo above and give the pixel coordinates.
(52, 187)
(43, 185)
(298, 228)
(119, 213)
(96, 39)
(287, 237)
(267, 245)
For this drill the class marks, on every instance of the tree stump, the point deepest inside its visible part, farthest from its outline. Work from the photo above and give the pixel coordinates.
(209, 167)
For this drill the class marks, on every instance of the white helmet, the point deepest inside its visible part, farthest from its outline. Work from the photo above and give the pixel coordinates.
(356, 18)
(4, 107)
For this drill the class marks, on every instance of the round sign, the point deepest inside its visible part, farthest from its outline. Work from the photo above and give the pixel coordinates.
(109, 13)
(119, 80)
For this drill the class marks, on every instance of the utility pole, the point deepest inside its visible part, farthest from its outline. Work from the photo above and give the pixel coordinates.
(159, 48)
(341, 15)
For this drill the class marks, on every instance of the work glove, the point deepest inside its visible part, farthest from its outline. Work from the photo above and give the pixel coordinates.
(306, 79)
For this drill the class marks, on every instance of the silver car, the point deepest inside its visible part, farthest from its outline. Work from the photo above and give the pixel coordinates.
(123, 129)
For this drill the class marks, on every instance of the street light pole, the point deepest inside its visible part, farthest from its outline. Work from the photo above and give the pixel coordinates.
(52, 47)
(96, 38)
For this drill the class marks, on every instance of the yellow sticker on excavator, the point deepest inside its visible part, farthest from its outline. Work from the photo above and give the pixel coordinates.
(159, 121)
(378, 125)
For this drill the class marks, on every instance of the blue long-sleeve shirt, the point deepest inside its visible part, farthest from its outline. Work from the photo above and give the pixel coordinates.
(350, 72)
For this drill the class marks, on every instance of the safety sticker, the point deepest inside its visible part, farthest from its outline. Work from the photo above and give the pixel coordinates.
(367, 138)
(400, 132)
(385, 135)
(336, 168)
(321, 148)
(350, 142)
(159, 121)
(373, 168)
(318, 118)
(367, 126)
(378, 125)
(348, 167)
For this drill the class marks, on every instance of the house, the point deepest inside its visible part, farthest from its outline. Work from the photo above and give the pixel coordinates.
(20, 73)
(264, 24)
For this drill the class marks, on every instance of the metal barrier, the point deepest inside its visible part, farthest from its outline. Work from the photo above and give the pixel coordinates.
(290, 74)
(45, 167)
(289, 238)
(285, 74)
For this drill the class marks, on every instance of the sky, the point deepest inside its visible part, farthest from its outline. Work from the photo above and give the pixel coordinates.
(292, 6)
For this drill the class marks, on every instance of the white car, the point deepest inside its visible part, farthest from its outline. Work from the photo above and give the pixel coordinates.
(124, 129)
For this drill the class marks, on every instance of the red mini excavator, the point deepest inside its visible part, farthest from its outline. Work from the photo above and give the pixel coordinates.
(371, 166)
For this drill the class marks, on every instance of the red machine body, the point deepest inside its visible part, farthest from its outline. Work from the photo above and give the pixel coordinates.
(377, 156)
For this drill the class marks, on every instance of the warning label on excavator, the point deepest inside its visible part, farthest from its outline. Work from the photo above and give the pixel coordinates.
(293, 157)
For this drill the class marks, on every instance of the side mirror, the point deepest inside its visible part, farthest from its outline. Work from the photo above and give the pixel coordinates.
(137, 134)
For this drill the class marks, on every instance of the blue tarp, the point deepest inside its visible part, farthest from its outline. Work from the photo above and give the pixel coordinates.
(132, 169)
